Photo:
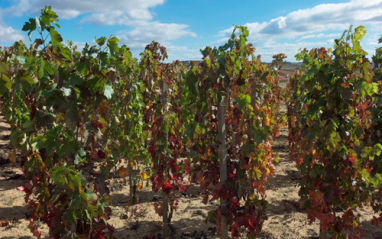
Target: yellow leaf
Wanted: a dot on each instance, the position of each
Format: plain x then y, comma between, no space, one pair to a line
251,157
272,170
267,121
144,176
276,159
12,156
133,163
139,186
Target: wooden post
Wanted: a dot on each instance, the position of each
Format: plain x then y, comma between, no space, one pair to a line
253,94
133,192
223,162
164,195
323,234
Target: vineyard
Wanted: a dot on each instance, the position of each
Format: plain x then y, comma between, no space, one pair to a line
111,146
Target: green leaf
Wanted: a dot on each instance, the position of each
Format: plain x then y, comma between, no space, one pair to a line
90,50
83,67
333,141
371,88
205,51
21,59
3,67
360,31
66,91
48,68
101,41
38,24
377,149
193,154
81,153
244,101
108,92
65,52
91,195
47,18
29,79
5,85
27,124
30,27
76,80
112,46
56,37
243,30
208,62
41,70
75,180
69,216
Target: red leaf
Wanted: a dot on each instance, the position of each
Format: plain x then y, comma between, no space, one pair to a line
352,158
101,154
235,203
152,149
34,229
167,188
326,221
162,49
23,72
187,168
174,166
317,198
27,188
235,230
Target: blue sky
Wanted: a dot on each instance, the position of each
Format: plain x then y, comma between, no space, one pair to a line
185,26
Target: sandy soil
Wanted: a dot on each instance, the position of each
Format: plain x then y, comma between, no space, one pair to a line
286,218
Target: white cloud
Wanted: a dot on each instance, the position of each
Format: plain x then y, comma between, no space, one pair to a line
135,14
104,9
8,34
182,53
18,9
325,17
146,32
313,24
117,17
321,35
302,28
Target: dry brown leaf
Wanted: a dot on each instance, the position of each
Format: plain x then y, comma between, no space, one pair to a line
139,186
123,172
4,223
12,156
